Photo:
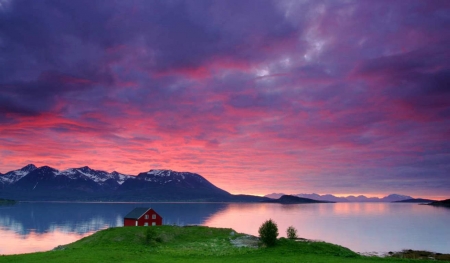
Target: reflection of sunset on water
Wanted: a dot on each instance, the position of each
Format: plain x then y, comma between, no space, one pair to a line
359,208
246,218
13,243
362,227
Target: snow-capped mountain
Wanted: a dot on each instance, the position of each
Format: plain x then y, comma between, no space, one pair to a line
85,172
169,176
97,176
14,176
172,185
86,184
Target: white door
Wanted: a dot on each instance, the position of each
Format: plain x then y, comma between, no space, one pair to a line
136,222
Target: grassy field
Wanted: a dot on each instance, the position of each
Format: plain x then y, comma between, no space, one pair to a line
189,244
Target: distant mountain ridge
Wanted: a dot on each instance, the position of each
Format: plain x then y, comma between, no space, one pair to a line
85,184
416,200
350,198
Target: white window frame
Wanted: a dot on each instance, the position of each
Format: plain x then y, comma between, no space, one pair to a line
153,216
146,216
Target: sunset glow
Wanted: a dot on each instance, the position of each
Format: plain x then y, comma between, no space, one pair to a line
35,242
259,96
367,223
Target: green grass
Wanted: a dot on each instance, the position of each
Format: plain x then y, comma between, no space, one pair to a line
189,244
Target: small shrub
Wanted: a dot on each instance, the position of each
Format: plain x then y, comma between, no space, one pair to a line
150,235
268,233
291,232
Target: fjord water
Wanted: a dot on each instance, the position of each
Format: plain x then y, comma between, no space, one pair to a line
363,227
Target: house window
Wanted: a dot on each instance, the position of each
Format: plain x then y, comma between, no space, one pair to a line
146,224
153,216
153,223
146,216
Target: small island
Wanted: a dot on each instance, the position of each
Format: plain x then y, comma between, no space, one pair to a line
292,199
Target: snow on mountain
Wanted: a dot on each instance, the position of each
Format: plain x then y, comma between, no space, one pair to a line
97,176
14,176
167,176
85,172
84,183
94,175
160,172
100,177
121,178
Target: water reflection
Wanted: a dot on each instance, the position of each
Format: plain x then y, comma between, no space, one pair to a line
81,218
362,227
39,226
13,243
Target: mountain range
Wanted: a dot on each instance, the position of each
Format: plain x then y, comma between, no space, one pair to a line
85,184
350,198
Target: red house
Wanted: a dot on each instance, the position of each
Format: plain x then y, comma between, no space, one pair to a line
142,216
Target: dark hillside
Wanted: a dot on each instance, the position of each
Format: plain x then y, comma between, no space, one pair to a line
415,200
445,203
291,199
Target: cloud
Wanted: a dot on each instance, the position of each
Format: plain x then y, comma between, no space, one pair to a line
300,96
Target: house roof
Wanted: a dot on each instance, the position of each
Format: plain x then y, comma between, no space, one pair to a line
137,212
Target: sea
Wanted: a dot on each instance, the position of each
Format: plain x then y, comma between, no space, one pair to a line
368,228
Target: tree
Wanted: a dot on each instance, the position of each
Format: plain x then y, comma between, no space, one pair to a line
291,232
268,233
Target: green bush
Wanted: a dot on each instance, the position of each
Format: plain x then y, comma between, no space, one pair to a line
150,235
291,232
268,233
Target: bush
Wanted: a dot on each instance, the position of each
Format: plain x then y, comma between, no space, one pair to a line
150,235
268,233
291,232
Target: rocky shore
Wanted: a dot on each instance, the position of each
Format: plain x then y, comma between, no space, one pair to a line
418,254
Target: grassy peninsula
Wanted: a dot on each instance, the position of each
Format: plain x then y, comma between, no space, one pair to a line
190,244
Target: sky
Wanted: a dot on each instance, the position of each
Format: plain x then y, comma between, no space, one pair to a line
341,97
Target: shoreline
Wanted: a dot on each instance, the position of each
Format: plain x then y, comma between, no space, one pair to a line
367,240
192,243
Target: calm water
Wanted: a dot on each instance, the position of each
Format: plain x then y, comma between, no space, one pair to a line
362,227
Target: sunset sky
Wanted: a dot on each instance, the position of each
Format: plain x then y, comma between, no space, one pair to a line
341,97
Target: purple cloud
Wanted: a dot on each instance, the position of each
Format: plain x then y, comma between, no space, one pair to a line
329,96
